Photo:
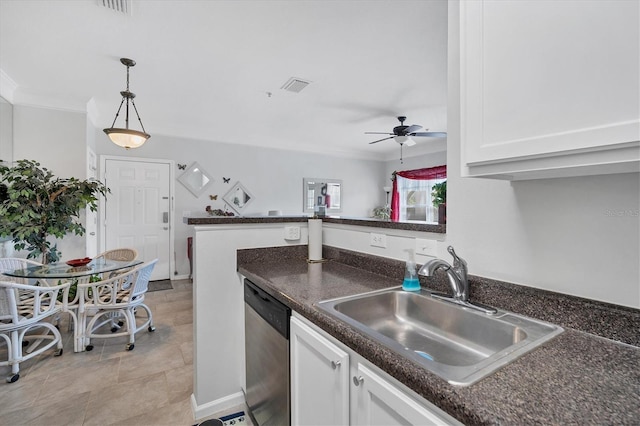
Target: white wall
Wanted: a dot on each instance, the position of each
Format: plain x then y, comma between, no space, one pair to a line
52,137
419,162
57,140
219,310
273,177
6,131
579,236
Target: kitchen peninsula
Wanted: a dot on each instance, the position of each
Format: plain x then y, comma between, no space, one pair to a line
218,292
374,223
576,377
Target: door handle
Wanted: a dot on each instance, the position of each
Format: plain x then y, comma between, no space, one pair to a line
165,217
92,233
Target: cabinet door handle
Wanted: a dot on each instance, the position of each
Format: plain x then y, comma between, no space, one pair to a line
335,364
358,380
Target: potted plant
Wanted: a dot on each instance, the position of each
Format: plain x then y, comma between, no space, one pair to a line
38,205
383,213
439,196
4,194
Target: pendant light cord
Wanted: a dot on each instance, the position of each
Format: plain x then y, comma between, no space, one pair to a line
126,95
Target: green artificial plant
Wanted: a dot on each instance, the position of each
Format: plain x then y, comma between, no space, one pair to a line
439,193
38,205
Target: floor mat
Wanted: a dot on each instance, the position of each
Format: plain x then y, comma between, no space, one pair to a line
160,285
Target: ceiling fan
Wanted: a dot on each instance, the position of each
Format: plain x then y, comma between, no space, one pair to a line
405,134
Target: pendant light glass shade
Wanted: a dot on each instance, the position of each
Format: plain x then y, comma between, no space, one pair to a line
127,138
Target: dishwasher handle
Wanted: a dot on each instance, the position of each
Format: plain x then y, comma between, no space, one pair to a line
275,313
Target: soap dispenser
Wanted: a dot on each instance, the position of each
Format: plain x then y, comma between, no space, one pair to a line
411,282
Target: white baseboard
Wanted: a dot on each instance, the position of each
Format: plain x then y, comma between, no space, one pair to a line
212,407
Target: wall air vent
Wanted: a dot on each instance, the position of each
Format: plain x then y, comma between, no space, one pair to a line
295,85
120,6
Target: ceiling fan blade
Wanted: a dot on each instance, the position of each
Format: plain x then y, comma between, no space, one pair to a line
380,140
410,142
430,134
378,133
413,128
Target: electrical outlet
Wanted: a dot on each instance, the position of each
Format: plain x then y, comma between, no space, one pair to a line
378,240
291,233
426,247
186,213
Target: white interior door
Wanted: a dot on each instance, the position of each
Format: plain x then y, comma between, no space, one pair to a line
138,210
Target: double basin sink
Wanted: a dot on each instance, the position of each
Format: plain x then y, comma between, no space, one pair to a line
457,343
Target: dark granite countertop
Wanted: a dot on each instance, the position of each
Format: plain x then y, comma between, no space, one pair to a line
375,223
576,378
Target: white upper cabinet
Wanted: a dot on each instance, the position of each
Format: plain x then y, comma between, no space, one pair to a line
549,88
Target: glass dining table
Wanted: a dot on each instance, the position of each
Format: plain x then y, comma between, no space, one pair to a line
60,270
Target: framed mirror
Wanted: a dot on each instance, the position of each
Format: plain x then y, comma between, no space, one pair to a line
195,179
238,197
322,192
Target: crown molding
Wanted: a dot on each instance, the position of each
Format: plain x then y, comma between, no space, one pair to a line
7,86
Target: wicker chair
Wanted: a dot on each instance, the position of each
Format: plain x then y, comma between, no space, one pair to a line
25,308
13,263
121,296
122,254
119,254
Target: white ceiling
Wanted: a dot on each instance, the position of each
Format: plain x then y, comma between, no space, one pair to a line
205,68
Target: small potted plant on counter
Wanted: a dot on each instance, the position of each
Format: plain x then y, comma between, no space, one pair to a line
439,195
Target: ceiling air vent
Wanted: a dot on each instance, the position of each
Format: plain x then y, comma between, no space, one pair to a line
121,6
295,85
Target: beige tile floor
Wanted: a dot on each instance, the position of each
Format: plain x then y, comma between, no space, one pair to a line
150,385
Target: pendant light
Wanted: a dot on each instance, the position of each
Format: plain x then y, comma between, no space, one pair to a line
127,138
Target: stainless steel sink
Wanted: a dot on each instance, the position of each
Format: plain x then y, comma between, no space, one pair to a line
459,344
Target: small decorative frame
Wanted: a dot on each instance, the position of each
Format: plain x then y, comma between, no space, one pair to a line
195,179
238,197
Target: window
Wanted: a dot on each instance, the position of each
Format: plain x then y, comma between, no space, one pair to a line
412,200
416,202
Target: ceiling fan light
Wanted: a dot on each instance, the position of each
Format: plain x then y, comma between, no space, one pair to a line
127,138
401,139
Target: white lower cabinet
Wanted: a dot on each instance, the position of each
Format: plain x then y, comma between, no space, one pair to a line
333,385
319,379
375,401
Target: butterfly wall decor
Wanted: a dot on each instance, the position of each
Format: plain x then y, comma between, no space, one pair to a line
213,197
182,166
226,180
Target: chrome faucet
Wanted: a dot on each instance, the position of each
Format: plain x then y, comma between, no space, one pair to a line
458,280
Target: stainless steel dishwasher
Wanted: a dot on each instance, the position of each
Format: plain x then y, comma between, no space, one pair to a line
267,357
